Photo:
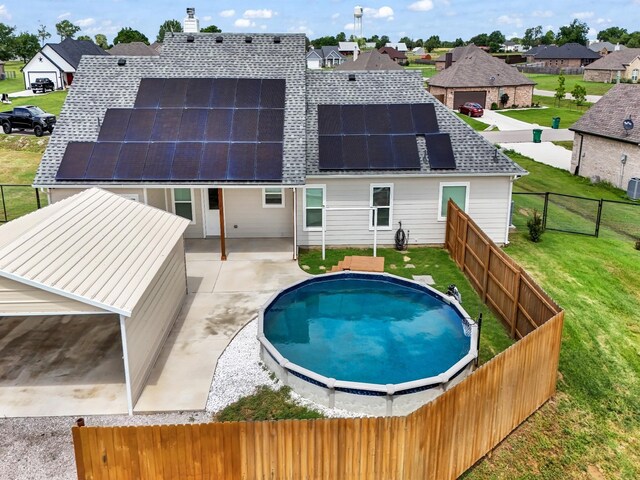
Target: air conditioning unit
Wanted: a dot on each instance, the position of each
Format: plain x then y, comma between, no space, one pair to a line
633,191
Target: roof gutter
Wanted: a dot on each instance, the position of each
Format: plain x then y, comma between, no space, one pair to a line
609,137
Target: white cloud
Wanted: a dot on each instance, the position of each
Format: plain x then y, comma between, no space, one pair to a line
335,16
349,27
207,18
382,12
583,15
543,13
600,21
302,28
263,13
421,6
227,13
244,23
64,15
510,20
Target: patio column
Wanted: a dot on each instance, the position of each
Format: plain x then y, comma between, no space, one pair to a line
223,248
295,223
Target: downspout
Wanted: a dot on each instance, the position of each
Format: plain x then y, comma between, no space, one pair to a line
577,171
295,223
125,358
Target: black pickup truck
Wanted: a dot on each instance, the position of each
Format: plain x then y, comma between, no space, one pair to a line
28,117
42,85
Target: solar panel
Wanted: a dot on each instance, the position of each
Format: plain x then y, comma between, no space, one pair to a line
329,120
401,119
242,161
272,93
198,93
114,125
424,118
330,152
213,165
167,125
245,126
270,125
380,152
377,119
74,161
269,161
218,127
355,155
248,93
140,125
192,125
405,152
174,92
186,161
224,93
158,163
102,164
440,151
149,93
131,161
353,119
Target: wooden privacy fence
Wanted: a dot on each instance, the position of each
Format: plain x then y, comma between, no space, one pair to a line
439,441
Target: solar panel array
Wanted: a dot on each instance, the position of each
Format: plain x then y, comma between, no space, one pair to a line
187,129
380,137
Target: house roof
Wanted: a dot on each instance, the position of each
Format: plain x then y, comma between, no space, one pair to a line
72,50
393,53
400,46
479,69
605,118
133,48
95,247
473,154
617,60
566,52
610,47
348,46
330,50
532,52
314,52
84,110
458,52
371,60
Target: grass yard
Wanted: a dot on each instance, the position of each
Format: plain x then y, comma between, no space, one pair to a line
550,82
564,144
544,116
11,85
428,71
475,124
49,102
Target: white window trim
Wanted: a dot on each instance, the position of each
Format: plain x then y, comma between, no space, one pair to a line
304,207
193,208
272,205
371,187
453,184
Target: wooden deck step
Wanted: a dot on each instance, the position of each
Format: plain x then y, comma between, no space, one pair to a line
358,263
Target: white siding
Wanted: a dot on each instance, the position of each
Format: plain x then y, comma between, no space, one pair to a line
58,194
194,230
243,207
415,204
153,317
40,69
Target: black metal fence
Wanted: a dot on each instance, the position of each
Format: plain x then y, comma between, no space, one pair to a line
17,200
579,215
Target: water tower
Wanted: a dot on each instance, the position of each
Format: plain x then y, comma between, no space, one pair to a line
357,21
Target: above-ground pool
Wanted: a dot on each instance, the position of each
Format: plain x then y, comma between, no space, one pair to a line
370,343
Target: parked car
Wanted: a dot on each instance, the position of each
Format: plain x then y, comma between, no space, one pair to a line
28,117
472,109
42,85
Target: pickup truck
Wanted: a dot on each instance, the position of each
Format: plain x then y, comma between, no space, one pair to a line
28,117
42,85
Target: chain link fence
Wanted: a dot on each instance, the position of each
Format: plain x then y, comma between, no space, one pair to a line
18,200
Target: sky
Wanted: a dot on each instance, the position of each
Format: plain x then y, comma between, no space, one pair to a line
449,19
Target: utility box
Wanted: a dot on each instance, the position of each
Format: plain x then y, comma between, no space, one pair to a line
633,191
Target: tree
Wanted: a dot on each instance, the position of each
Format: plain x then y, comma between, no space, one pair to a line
128,35
633,40
6,42
560,90
341,37
168,26
25,46
101,41
548,38
458,42
432,43
579,94
43,34
419,43
480,40
85,37
66,29
575,32
408,42
210,29
326,41
532,37
613,35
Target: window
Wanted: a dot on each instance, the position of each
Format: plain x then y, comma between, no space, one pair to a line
634,75
183,203
313,203
382,197
458,192
272,197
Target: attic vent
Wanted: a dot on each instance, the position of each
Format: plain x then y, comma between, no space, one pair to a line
122,62
352,77
248,39
218,39
190,38
277,39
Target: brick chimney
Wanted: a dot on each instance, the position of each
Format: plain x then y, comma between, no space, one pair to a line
448,59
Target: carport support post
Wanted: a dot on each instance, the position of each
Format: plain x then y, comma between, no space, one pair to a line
125,356
223,248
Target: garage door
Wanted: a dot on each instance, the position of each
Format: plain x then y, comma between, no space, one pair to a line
463,97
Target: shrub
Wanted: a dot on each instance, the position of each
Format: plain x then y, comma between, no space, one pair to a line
535,227
494,106
637,244
504,98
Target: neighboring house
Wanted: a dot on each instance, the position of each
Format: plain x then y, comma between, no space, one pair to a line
605,48
368,61
510,46
274,150
157,46
314,58
399,46
481,78
347,48
623,64
59,61
418,51
139,49
370,45
603,147
324,57
456,54
569,55
399,57
532,52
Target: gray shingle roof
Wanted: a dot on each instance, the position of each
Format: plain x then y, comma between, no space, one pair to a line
610,47
606,116
372,60
479,69
393,53
566,52
473,154
72,50
615,60
134,48
100,84
459,52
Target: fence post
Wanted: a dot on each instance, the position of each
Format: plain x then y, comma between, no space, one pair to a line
485,280
4,204
516,299
544,211
599,217
38,199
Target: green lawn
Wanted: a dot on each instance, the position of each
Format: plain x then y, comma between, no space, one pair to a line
544,116
10,85
475,124
428,71
49,102
564,144
550,82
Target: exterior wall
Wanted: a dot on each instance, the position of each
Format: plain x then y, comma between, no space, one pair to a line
601,157
243,208
156,197
415,204
39,69
153,317
58,194
313,63
521,95
606,76
635,65
564,62
196,228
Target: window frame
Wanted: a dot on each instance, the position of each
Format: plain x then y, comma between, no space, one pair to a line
273,205
192,202
304,206
467,186
635,73
378,185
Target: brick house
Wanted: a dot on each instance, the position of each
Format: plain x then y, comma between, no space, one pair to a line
625,63
481,78
569,55
606,143
456,54
395,55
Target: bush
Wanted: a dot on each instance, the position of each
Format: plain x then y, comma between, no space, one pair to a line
637,244
494,106
535,227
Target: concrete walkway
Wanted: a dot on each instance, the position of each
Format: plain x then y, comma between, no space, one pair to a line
568,96
526,136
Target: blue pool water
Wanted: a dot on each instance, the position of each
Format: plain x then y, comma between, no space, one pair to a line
366,330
